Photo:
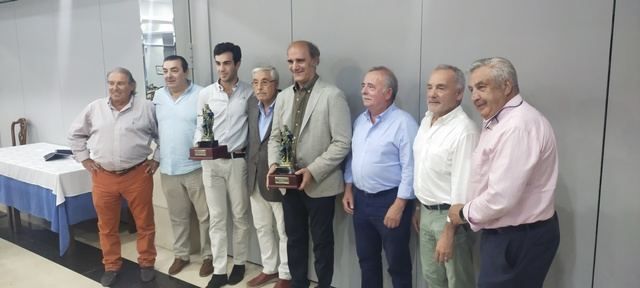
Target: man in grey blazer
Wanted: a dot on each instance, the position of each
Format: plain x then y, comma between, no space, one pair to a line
266,204
319,117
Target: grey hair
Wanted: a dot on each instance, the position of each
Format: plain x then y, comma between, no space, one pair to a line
501,69
460,81
272,71
390,80
127,73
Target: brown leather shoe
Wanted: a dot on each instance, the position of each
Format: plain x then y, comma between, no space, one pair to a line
207,268
283,283
177,266
261,279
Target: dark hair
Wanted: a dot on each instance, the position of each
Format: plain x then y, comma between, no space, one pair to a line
225,47
185,65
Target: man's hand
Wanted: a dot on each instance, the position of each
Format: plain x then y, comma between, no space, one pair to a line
415,220
272,169
91,166
454,214
444,247
394,214
347,198
152,166
306,177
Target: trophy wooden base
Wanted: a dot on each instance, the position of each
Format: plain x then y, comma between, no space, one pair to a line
286,181
208,150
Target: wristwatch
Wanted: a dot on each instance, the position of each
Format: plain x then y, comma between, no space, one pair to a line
461,215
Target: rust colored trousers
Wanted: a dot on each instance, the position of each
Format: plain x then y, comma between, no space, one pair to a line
136,187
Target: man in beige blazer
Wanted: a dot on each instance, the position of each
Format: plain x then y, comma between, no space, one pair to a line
318,115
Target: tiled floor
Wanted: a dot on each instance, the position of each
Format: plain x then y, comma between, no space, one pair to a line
29,258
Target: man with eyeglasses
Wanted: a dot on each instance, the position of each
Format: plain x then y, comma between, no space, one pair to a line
514,170
225,179
266,204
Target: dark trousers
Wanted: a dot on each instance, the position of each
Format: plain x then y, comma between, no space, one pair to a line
301,215
372,236
518,256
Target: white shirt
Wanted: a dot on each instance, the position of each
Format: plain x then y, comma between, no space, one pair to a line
230,123
442,152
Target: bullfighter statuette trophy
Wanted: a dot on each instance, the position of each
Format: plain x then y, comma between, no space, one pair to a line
284,176
207,148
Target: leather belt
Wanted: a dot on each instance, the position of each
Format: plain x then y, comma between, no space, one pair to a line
234,155
437,206
125,171
521,227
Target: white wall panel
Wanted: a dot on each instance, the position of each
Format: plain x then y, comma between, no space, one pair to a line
37,34
618,253
81,74
262,29
122,38
356,35
11,100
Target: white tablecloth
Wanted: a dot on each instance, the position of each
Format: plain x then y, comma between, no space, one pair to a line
64,177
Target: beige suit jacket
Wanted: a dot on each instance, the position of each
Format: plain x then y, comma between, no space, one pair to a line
324,140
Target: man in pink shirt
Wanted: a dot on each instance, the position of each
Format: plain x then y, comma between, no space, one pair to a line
513,178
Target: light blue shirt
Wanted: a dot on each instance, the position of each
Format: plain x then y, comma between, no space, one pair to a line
264,119
382,153
177,125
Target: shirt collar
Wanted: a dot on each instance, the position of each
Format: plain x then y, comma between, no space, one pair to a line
261,106
446,118
515,102
382,115
221,88
185,92
308,87
130,104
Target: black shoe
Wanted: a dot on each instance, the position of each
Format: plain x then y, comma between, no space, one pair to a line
217,281
237,274
147,274
109,278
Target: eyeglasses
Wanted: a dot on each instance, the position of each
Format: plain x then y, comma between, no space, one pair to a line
262,83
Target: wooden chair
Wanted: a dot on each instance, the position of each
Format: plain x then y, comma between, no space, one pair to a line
22,133
14,214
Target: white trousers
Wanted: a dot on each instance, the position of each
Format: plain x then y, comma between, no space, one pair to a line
267,217
225,185
181,191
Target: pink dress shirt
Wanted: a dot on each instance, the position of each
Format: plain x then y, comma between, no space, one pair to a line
514,169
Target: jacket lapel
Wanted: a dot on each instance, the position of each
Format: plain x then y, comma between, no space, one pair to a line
313,101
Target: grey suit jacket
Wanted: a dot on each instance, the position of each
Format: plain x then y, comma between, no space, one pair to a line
257,166
324,140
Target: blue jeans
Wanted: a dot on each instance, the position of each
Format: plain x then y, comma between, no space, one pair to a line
372,236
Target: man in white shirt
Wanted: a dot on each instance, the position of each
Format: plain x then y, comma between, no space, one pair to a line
442,150
225,179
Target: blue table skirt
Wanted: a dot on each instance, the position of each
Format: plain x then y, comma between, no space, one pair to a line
41,202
